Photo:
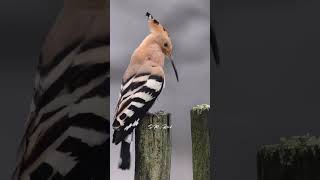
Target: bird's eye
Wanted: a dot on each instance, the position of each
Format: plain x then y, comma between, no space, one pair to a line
165,44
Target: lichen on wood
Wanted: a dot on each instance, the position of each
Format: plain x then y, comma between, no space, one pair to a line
200,133
153,147
294,158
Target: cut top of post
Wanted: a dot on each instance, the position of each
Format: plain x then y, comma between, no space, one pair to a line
199,109
158,120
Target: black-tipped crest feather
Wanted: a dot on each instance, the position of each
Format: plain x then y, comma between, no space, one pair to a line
149,15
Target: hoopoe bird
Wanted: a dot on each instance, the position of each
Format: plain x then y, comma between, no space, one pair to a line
142,83
67,133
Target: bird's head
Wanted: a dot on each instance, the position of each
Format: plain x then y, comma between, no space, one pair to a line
160,35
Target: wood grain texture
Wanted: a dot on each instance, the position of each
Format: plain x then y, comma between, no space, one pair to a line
153,148
200,142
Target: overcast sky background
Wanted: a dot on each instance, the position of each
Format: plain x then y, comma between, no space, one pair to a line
188,23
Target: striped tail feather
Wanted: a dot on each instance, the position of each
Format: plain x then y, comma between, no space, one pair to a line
125,156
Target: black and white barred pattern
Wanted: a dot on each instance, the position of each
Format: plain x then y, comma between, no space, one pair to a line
67,135
137,95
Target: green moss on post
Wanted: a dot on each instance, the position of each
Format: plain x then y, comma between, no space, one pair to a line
295,158
200,142
153,148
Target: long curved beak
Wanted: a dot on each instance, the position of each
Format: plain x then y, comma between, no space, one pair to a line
174,67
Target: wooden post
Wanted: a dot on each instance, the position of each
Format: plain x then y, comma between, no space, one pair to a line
200,142
153,147
295,158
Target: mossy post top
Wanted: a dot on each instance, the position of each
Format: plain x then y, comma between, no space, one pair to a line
201,108
290,148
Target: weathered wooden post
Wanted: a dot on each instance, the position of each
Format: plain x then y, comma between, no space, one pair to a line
295,158
153,147
200,142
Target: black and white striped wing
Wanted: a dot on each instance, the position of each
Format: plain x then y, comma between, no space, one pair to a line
67,134
137,96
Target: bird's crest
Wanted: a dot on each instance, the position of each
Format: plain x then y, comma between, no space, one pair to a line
155,26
